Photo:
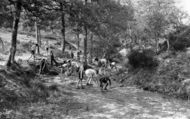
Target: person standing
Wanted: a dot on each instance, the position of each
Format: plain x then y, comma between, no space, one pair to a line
33,51
52,58
72,55
78,56
47,50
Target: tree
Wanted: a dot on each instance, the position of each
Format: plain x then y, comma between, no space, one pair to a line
38,36
105,20
18,7
63,25
32,7
100,19
61,8
6,15
111,21
160,16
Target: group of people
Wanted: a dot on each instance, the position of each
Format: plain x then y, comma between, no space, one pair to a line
96,73
107,63
43,62
49,52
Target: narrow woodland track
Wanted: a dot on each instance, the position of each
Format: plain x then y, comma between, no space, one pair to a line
122,103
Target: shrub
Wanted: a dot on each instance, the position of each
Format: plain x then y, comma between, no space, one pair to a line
142,59
18,87
166,78
179,40
181,45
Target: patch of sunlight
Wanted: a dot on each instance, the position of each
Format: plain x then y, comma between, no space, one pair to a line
2,63
182,109
119,111
153,102
24,56
136,107
110,106
128,90
176,116
91,115
57,79
115,109
88,97
168,112
167,106
60,81
146,111
145,115
101,115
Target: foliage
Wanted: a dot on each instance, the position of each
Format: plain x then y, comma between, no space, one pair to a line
181,45
6,17
161,18
142,59
18,86
166,78
179,39
106,21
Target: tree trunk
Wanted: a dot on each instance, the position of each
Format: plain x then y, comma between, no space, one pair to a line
91,48
168,44
85,41
85,45
78,46
63,27
157,44
78,42
2,44
157,36
52,28
38,37
18,8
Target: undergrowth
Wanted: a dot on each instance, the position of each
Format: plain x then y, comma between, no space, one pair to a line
166,78
20,86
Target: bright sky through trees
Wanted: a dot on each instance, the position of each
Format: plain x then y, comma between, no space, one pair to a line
184,5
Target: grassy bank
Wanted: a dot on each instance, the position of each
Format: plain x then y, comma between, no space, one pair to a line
166,78
20,86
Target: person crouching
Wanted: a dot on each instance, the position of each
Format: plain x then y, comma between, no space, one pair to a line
104,82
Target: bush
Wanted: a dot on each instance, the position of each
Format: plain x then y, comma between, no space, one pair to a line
179,40
166,78
181,45
18,87
142,59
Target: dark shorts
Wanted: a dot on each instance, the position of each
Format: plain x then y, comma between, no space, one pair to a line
104,79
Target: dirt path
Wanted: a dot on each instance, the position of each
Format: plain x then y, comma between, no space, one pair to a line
123,103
